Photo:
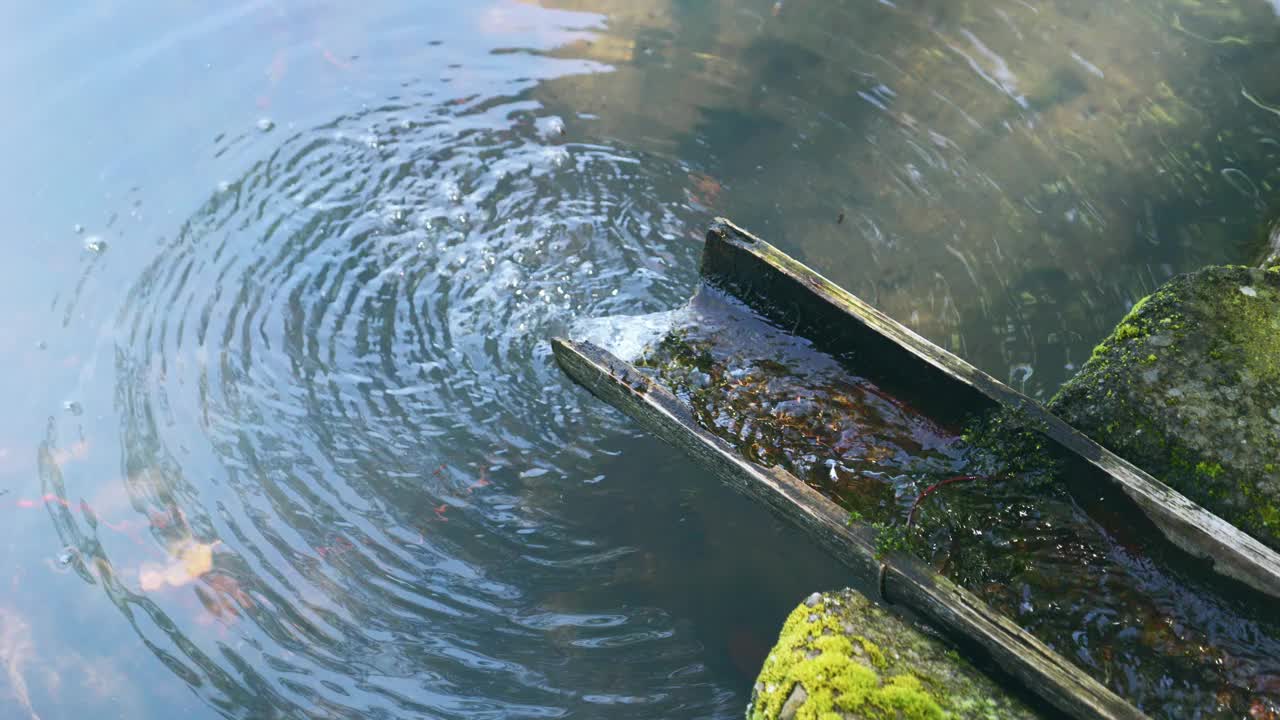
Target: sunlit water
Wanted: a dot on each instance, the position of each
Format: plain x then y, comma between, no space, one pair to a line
1078,571
282,436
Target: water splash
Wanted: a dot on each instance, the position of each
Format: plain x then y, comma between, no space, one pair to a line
309,375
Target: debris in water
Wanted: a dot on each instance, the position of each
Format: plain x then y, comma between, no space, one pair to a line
15,648
191,560
95,244
549,128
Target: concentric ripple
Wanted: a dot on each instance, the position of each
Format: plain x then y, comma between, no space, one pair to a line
337,378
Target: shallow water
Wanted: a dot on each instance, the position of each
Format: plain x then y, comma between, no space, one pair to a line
984,507
282,434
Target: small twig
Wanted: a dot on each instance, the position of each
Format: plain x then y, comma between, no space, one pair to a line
911,515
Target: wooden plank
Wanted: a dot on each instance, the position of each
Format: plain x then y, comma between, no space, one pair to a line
898,579
621,385
947,389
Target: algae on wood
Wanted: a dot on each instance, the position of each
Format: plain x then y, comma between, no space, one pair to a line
900,579
1014,535
839,656
1188,388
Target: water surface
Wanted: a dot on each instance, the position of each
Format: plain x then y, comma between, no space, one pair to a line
981,500
282,435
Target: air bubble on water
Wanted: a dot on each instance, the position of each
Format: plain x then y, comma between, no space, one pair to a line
265,124
77,228
73,407
1020,373
453,192
224,185
549,127
66,556
95,244
42,345
556,156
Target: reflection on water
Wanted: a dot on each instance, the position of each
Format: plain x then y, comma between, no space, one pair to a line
1004,177
357,327
283,437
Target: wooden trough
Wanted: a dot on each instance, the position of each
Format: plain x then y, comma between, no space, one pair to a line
946,388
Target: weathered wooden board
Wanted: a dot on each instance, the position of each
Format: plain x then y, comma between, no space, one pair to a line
898,579
948,389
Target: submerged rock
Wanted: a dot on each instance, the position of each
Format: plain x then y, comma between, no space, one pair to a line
1188,388
841,657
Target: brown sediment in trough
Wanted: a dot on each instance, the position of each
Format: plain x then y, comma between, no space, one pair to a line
913,370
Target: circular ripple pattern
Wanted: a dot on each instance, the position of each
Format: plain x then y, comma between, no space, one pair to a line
338,378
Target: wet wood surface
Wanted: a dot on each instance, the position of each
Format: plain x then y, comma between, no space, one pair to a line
949,389
946,389
897,579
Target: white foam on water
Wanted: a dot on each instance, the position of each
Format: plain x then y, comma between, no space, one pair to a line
628,336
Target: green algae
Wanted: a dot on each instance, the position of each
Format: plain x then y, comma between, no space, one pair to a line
1188,388
788,406
839,656
1013,535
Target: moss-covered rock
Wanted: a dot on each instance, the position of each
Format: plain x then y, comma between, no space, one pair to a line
1188,388
840,657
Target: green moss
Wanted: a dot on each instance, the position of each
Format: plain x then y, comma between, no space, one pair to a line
891,538
1204,423
1256,331
1211,470
902,696
1262,511
835,679
1127,331
1009,442
874,652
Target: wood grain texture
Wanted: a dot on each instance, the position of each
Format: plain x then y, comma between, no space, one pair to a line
890,354
903,580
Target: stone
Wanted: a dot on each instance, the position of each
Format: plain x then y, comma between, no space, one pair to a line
1187,388
842,657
